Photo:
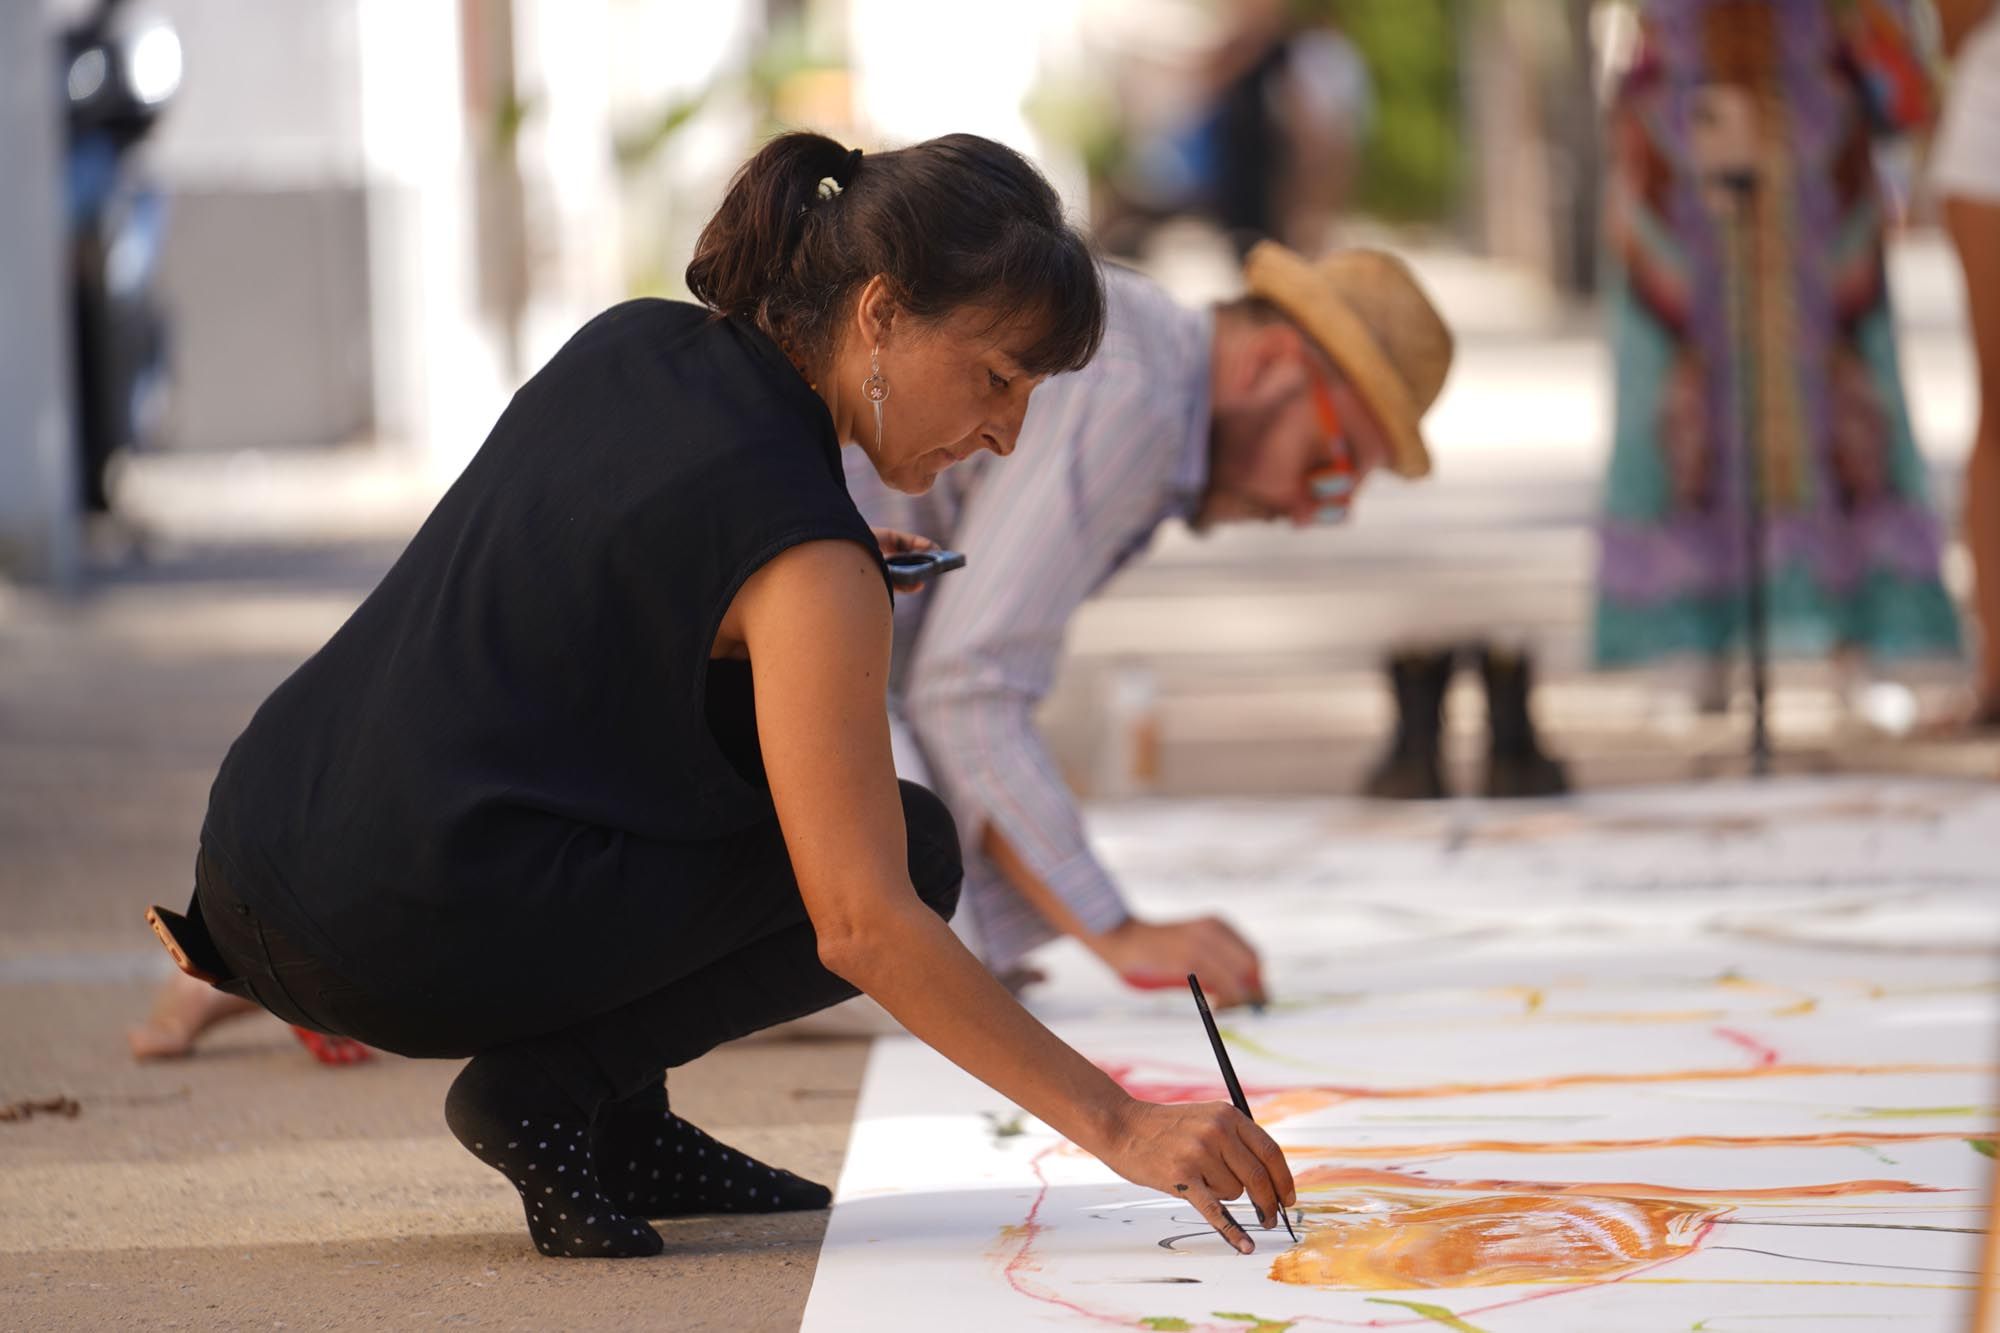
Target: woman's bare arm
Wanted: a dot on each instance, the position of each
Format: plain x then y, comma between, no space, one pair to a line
817,626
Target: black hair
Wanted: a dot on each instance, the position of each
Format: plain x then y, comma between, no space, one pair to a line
951,222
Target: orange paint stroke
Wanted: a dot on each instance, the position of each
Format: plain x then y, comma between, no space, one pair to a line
1334,1177
1838,1139
1789,1282
1536,1013
1493,1241
1277,1103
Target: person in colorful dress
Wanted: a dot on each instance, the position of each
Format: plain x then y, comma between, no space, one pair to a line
1786,93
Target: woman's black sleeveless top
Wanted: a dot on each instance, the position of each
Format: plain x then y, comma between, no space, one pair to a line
523,703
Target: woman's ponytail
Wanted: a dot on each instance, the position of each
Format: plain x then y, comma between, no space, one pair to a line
746,248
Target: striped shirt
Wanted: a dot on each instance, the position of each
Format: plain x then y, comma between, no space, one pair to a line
1105,456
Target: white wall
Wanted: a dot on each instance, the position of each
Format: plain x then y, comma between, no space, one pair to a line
270,98
267,247
321,247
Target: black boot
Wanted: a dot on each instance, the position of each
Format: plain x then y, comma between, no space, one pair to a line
1515,763
1413,769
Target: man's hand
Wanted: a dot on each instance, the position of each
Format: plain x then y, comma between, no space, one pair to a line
1146,954
1150,955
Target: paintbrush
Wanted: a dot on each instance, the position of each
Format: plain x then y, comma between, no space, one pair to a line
1229,1077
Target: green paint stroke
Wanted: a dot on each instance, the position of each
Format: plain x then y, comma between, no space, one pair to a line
1982,1146
1911,1112
1257,1323
1435,1313
1167,1323
1006,1127
1257,1048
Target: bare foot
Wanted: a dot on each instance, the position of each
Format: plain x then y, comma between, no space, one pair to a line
183,1009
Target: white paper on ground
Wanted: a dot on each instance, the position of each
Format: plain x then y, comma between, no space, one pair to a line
1703,1058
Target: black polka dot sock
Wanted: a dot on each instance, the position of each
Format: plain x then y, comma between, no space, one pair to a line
509,1116
656,1164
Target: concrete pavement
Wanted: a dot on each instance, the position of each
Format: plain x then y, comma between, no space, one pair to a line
249,1187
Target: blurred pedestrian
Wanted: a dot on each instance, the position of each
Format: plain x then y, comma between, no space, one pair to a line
530,805
1788,92
1274,407
1966,170
1262,132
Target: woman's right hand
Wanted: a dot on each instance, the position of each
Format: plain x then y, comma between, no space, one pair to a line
1206,1153
816,623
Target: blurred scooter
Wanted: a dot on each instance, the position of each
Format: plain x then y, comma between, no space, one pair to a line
119,72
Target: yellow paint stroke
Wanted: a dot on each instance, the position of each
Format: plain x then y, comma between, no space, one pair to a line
1800,1001
1333,1177
1591,1016
1837,1139
1790,1282
1298,1101
1493,1241
1643,1016
1008,1241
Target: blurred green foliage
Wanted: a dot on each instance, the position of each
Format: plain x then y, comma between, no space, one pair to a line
1413,163
637,146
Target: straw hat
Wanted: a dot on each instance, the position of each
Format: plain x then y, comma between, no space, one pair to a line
1365,309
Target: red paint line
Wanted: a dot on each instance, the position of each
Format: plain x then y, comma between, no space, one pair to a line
1021,1262
1766,1056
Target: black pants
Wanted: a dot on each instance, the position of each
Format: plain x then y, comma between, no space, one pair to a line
756,965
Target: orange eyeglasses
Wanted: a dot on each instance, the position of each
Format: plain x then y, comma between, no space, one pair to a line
1333,484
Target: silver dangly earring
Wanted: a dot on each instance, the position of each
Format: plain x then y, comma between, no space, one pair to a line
876,389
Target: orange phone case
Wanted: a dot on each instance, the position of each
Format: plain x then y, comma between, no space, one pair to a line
158,919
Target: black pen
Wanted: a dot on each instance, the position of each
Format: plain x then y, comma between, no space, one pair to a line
1229,1078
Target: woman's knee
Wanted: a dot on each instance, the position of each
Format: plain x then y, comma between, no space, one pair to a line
937,867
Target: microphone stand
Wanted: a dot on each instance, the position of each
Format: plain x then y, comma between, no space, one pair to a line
1740,186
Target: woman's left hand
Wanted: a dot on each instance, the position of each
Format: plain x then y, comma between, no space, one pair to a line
893,542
